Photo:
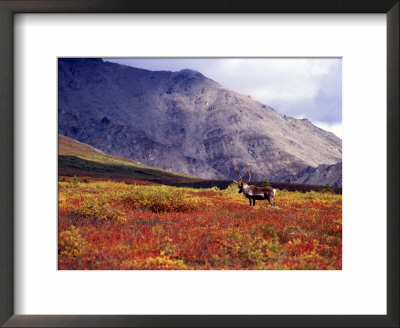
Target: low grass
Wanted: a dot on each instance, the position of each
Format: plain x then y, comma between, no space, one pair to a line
114,225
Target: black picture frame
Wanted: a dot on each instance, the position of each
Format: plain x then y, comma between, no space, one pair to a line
10,7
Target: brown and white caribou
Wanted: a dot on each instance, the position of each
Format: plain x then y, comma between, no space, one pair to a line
254,193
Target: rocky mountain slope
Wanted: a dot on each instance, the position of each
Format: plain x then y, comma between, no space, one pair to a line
320,175
184,122
76,158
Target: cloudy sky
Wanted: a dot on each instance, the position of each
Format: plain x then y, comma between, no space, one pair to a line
301,88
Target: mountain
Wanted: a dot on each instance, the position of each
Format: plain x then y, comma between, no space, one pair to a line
76,158
320,175
184,122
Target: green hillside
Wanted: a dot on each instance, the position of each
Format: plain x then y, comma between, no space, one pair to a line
76,158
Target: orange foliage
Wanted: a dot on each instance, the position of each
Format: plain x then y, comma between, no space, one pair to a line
113,225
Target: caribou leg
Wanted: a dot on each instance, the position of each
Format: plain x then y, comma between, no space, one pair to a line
271,201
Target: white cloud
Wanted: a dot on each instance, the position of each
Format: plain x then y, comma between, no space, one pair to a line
293,86
336,129
286,83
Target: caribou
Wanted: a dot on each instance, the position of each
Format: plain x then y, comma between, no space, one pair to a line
254,193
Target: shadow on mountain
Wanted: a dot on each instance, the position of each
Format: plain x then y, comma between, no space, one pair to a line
73,165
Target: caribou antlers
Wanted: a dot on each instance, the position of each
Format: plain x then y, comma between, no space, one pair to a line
249,172
240,176
238,173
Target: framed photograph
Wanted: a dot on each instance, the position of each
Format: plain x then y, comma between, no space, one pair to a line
133,195
175,164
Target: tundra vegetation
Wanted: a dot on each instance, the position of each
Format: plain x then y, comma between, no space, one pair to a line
107,225
116,214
